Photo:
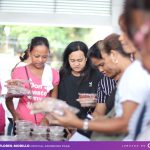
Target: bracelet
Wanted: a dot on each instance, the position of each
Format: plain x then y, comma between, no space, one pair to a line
85,124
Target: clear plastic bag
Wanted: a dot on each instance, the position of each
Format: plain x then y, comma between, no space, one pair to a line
48,105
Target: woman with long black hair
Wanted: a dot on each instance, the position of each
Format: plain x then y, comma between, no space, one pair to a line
77,76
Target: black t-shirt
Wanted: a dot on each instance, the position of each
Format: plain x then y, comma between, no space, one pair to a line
70,86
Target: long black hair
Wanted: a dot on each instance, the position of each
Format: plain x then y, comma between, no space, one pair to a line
130,5
72,47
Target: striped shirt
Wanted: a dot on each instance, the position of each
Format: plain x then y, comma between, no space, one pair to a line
105,87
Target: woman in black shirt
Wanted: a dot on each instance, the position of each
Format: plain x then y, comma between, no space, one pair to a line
77,76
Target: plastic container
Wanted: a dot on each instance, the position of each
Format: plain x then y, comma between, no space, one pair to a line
23,130
87,99
7,138
40,133
56,136
56,133
16,87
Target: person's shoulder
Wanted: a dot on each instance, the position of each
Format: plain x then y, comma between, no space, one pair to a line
48,68
19,69
135,76
100,75
21,64
135,69
55,71
108,79
136,65
19,72
66,79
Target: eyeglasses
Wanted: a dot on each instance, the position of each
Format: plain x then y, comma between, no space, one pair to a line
140,35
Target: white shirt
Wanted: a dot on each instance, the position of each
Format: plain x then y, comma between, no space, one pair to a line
134,86
145,124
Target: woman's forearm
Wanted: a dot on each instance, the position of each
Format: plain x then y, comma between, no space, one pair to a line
114,125
10,106
54,92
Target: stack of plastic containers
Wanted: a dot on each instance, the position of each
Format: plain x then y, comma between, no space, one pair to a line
40,133
56,133
23,130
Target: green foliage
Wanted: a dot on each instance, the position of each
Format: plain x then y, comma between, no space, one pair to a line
59,37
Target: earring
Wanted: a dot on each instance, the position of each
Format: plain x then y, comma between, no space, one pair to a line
112,57
116,61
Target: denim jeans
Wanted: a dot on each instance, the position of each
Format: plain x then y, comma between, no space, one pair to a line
10,127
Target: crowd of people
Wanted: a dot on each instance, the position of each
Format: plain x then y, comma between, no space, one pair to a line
116,70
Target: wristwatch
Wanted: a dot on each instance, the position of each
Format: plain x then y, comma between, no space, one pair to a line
85,124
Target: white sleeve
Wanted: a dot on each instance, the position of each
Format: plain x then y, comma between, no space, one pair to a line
134,85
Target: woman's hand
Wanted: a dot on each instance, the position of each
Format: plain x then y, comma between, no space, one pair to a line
14,82
9,95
